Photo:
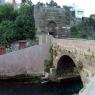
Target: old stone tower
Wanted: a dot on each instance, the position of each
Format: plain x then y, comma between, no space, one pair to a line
53,20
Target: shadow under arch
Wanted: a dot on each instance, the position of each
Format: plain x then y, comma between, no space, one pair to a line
66,66
68,71
52,28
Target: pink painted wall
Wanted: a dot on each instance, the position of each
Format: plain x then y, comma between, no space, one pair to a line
29,60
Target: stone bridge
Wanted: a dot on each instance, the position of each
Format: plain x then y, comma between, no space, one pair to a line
76,55
71,57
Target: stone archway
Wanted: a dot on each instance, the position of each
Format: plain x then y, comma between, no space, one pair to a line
75,65
66,67
67,72
52,28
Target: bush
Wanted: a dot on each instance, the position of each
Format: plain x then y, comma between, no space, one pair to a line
16,24
7,33
76,32
25,27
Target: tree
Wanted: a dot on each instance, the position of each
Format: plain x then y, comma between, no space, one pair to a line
7,33
25,27
25,10
76,32
67,8
25,21
92,16
40,4
16,24
7,12
52,4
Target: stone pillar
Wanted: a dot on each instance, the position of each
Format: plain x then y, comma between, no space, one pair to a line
44,39
2,50
22,44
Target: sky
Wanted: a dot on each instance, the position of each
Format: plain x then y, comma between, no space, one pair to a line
88,6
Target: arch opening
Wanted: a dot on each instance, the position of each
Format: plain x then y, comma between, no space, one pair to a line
67,71
66,67
52,28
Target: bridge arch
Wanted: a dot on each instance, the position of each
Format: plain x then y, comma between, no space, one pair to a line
67,69
66,66
68,60
65,53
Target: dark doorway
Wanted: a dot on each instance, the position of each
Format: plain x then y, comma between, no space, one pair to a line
66,67
52,28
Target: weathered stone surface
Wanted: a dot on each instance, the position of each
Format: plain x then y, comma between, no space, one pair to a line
82,52
31,60
53,19
25,61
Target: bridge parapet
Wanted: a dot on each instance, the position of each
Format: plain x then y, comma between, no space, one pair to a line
88,45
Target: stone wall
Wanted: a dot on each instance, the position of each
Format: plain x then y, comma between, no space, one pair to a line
44,15
25,61
82,53
21,44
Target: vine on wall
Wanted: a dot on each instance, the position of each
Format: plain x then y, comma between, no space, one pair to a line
48,63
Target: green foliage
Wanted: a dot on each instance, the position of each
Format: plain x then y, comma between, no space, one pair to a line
25,27
85,29
49,63
16,24
67,8
88,24
25,10
52,4
25,22
7,12
7,33
76,32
